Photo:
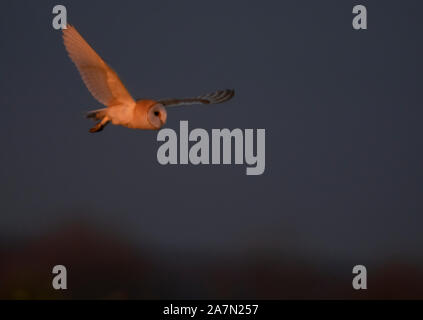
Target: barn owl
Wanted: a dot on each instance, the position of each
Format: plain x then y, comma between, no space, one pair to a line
105,85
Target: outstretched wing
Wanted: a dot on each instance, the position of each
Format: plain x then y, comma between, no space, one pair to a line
215,97
103,83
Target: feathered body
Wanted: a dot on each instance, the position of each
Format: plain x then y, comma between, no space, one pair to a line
105,85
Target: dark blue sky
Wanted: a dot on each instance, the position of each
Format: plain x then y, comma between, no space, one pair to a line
342,111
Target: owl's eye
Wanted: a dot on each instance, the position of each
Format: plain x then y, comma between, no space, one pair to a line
156,113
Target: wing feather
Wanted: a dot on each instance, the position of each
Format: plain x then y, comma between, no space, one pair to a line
101,80
210,98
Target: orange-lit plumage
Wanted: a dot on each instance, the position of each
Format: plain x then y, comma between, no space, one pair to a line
105,85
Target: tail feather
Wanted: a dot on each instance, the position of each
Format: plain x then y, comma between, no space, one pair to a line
98,114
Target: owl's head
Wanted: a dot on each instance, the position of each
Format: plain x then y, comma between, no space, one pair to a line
157,115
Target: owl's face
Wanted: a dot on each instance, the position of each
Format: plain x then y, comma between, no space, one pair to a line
157,115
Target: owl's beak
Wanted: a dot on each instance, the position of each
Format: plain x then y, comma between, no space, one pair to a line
163,117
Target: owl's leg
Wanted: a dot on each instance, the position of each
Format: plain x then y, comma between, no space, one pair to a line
100,125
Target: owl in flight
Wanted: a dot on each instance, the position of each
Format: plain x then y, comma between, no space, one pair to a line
105,85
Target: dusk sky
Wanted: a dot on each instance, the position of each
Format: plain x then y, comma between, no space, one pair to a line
342,110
